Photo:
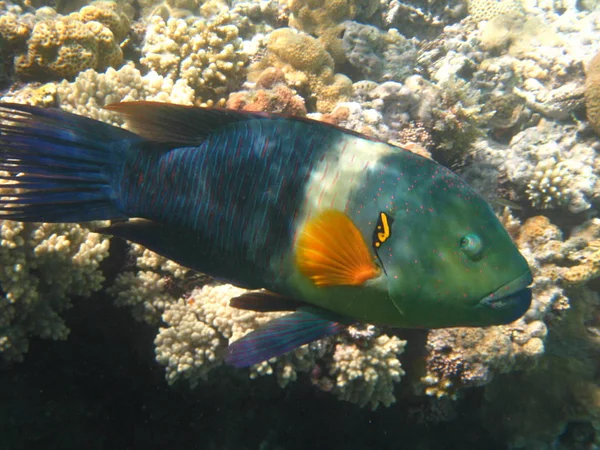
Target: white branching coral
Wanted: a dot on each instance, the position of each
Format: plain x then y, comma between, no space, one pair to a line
43,267
145,290
359,367
198,330
365,372
92,90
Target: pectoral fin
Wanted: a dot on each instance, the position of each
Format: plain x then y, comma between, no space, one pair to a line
331,251
284,334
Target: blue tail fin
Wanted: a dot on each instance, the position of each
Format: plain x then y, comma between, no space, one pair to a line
62,165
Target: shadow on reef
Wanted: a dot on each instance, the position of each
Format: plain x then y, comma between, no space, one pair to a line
102,389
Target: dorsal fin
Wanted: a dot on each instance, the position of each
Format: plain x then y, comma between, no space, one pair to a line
190,125
177,124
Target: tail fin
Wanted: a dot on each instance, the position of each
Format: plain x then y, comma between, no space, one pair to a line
56,166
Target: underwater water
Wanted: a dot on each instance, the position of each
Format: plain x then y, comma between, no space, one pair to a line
415,311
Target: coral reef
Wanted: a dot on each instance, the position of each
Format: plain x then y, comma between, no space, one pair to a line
376,55
324,20
307,66
360,366
549,166
91,90
271,94
50,46
533,408
44,267
204,53
508,78
420,18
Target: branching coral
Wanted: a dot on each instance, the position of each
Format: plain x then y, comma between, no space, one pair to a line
549,166
365,370
91,90
550,186
43,267
205,53
360,366
150,287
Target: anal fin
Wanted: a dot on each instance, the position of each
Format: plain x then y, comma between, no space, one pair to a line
284,334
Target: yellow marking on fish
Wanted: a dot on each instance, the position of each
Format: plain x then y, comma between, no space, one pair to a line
382,232
385,234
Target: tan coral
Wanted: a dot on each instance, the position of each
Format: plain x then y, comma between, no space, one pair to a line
316,16
365,372
488,9
63,47
306,65
592,92
33,94
13,31
109,15
90,91
206,53
324,20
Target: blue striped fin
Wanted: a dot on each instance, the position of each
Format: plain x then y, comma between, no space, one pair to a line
282,335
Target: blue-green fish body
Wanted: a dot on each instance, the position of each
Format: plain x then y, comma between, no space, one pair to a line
316,215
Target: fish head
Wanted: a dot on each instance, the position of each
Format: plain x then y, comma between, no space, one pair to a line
448,260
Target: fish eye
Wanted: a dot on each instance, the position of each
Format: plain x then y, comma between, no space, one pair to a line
471,245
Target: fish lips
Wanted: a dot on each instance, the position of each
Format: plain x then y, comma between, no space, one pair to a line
510,301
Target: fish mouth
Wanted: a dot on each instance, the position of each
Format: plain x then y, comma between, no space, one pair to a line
514,297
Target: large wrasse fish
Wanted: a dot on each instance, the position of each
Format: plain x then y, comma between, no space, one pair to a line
331,225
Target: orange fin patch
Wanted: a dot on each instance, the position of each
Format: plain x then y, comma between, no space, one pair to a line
331,251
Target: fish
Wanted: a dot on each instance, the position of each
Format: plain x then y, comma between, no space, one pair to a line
335,227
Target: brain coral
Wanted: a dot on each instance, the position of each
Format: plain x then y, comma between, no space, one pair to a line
306,65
